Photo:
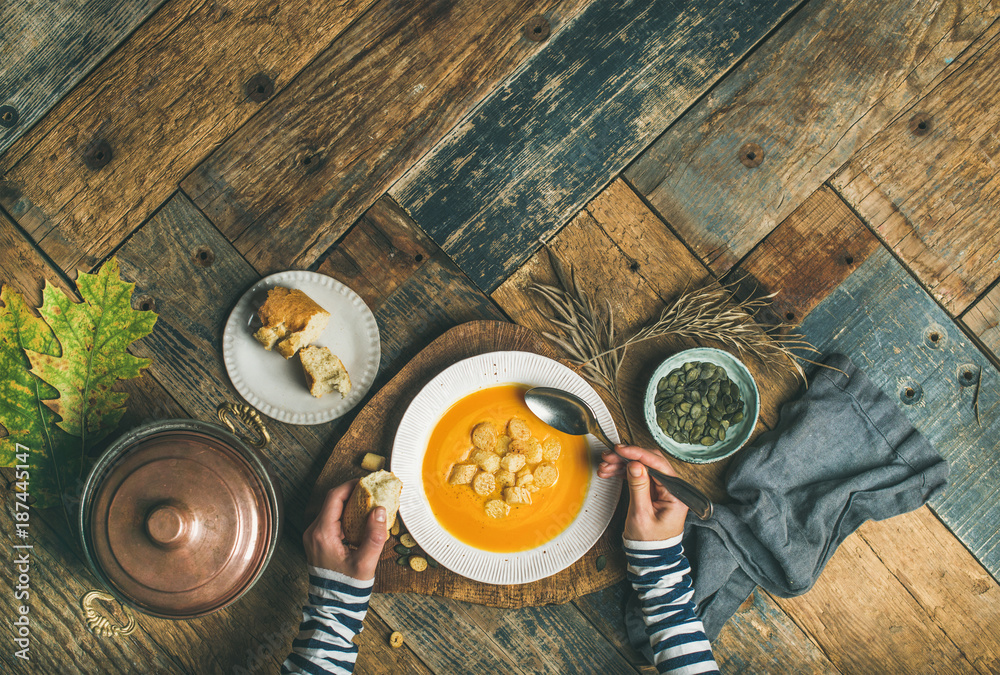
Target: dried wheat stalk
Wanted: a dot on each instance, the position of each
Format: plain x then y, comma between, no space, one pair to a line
709,313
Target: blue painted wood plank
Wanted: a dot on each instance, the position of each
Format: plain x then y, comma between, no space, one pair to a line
893,330
48,47
559,130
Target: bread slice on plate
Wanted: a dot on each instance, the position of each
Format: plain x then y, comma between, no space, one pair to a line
291,321
381,488
324,371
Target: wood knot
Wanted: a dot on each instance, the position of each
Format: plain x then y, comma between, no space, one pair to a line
97,154
751,155
8,116
259,88
537,29
202,256
920,124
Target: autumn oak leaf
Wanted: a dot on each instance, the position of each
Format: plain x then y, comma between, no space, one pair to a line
94,337
54,456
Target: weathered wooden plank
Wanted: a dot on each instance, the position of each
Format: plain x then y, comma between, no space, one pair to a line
379,253
554,639
868,625
23,267
896,333
783,646
806,257
176,89
983,320
541,147
442,636
48,47
59,641
928,183
945,580
815,92
606,610
309,171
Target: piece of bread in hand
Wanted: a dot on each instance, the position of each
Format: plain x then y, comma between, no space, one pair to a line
324,371
291,321
381,488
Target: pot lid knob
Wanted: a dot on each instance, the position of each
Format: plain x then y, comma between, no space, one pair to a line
169,525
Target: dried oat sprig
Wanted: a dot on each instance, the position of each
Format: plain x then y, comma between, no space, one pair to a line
711,313
588,336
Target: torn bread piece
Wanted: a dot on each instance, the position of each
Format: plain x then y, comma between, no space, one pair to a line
291,321
324,371
381,488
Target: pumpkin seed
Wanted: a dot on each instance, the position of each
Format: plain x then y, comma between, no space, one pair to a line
602,562
401,550
708,440
403,561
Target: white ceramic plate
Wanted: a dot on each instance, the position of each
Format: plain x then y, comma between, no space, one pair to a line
454,383
276,386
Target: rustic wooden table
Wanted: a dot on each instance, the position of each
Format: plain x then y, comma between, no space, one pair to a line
429,154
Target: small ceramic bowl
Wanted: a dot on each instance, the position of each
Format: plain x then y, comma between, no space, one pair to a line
738,433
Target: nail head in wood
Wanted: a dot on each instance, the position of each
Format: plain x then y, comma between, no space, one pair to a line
910,393
203,256
920,124
537,29
98,154
145,303
751,155
259,88
935,336
8,116
968,374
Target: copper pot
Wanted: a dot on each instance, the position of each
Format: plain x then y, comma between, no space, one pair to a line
179,518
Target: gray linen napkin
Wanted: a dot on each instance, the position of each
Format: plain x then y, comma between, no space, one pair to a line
842,453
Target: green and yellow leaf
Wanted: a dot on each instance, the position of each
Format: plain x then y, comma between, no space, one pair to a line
94,336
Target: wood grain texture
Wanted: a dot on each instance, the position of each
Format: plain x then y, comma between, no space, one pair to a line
441,635
885,323
23,267
171,94
783,647
48,47
374,429
552,640
807,256
842,613
542,146
827,81
322,152
931,193
379,253
983,319
945,580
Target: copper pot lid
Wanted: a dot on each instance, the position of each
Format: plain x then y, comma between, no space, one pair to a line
180,524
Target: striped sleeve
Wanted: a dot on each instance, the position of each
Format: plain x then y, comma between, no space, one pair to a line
661,576
331,618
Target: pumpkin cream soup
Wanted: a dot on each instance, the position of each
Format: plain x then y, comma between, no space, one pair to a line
500,479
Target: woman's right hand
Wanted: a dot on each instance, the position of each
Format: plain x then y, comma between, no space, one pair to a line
653,513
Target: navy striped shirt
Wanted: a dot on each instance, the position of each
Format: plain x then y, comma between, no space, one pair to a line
661,576
657,569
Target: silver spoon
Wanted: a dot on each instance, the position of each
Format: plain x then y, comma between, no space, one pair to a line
570,414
